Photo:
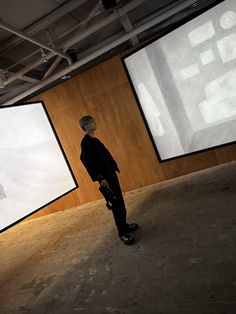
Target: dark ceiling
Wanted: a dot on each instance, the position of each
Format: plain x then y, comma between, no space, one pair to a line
43,42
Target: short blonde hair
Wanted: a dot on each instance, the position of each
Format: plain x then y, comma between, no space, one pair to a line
84,121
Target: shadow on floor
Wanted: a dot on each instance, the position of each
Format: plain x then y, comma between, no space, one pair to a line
183,260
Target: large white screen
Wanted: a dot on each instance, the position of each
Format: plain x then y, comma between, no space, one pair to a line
186,83
33,169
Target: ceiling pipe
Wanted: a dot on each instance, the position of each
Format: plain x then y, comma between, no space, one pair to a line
34,41
52,17
44,22
59,36
81,35
83,25
25,70
91,30
109,19
20,88
160,18
128,27
23,59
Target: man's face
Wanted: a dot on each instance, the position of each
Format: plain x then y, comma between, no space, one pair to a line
91,126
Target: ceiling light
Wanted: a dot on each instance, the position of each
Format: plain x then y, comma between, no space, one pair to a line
43,56
65,77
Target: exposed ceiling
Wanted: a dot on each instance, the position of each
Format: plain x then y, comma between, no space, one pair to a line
43,42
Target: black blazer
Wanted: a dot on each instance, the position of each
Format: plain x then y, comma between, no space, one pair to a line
97,159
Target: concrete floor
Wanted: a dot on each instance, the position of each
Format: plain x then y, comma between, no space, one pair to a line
184,260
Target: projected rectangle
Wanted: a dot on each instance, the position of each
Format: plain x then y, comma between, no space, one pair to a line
34,170
185,83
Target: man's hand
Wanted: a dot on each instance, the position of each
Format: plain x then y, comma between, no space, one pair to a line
104,183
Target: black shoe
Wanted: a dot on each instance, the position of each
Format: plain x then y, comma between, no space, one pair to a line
127,239
132,227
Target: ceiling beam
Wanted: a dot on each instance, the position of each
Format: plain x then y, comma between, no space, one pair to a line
126,23
4,75
43,23
15,88
29,79
162,16
19,63
34,41
83,25
53,40
81,35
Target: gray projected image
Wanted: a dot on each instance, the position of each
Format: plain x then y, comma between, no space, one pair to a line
186,83
33,168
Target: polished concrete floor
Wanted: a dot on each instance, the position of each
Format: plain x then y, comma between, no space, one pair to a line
183,262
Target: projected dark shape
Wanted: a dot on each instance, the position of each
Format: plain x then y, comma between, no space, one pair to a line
34,169
185,83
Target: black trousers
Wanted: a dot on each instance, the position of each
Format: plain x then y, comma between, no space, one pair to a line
118,206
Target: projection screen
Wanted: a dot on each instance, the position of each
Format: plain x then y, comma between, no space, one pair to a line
34,170
185,83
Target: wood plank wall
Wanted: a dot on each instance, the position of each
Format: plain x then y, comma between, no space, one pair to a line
104,92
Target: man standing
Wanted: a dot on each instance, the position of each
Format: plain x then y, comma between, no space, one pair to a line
102,167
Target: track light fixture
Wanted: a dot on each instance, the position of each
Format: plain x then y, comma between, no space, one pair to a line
43,56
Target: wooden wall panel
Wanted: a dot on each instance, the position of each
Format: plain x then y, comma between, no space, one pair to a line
191,163
104,93
226,154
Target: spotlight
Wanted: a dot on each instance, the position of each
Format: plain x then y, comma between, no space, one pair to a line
43,56
65,77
